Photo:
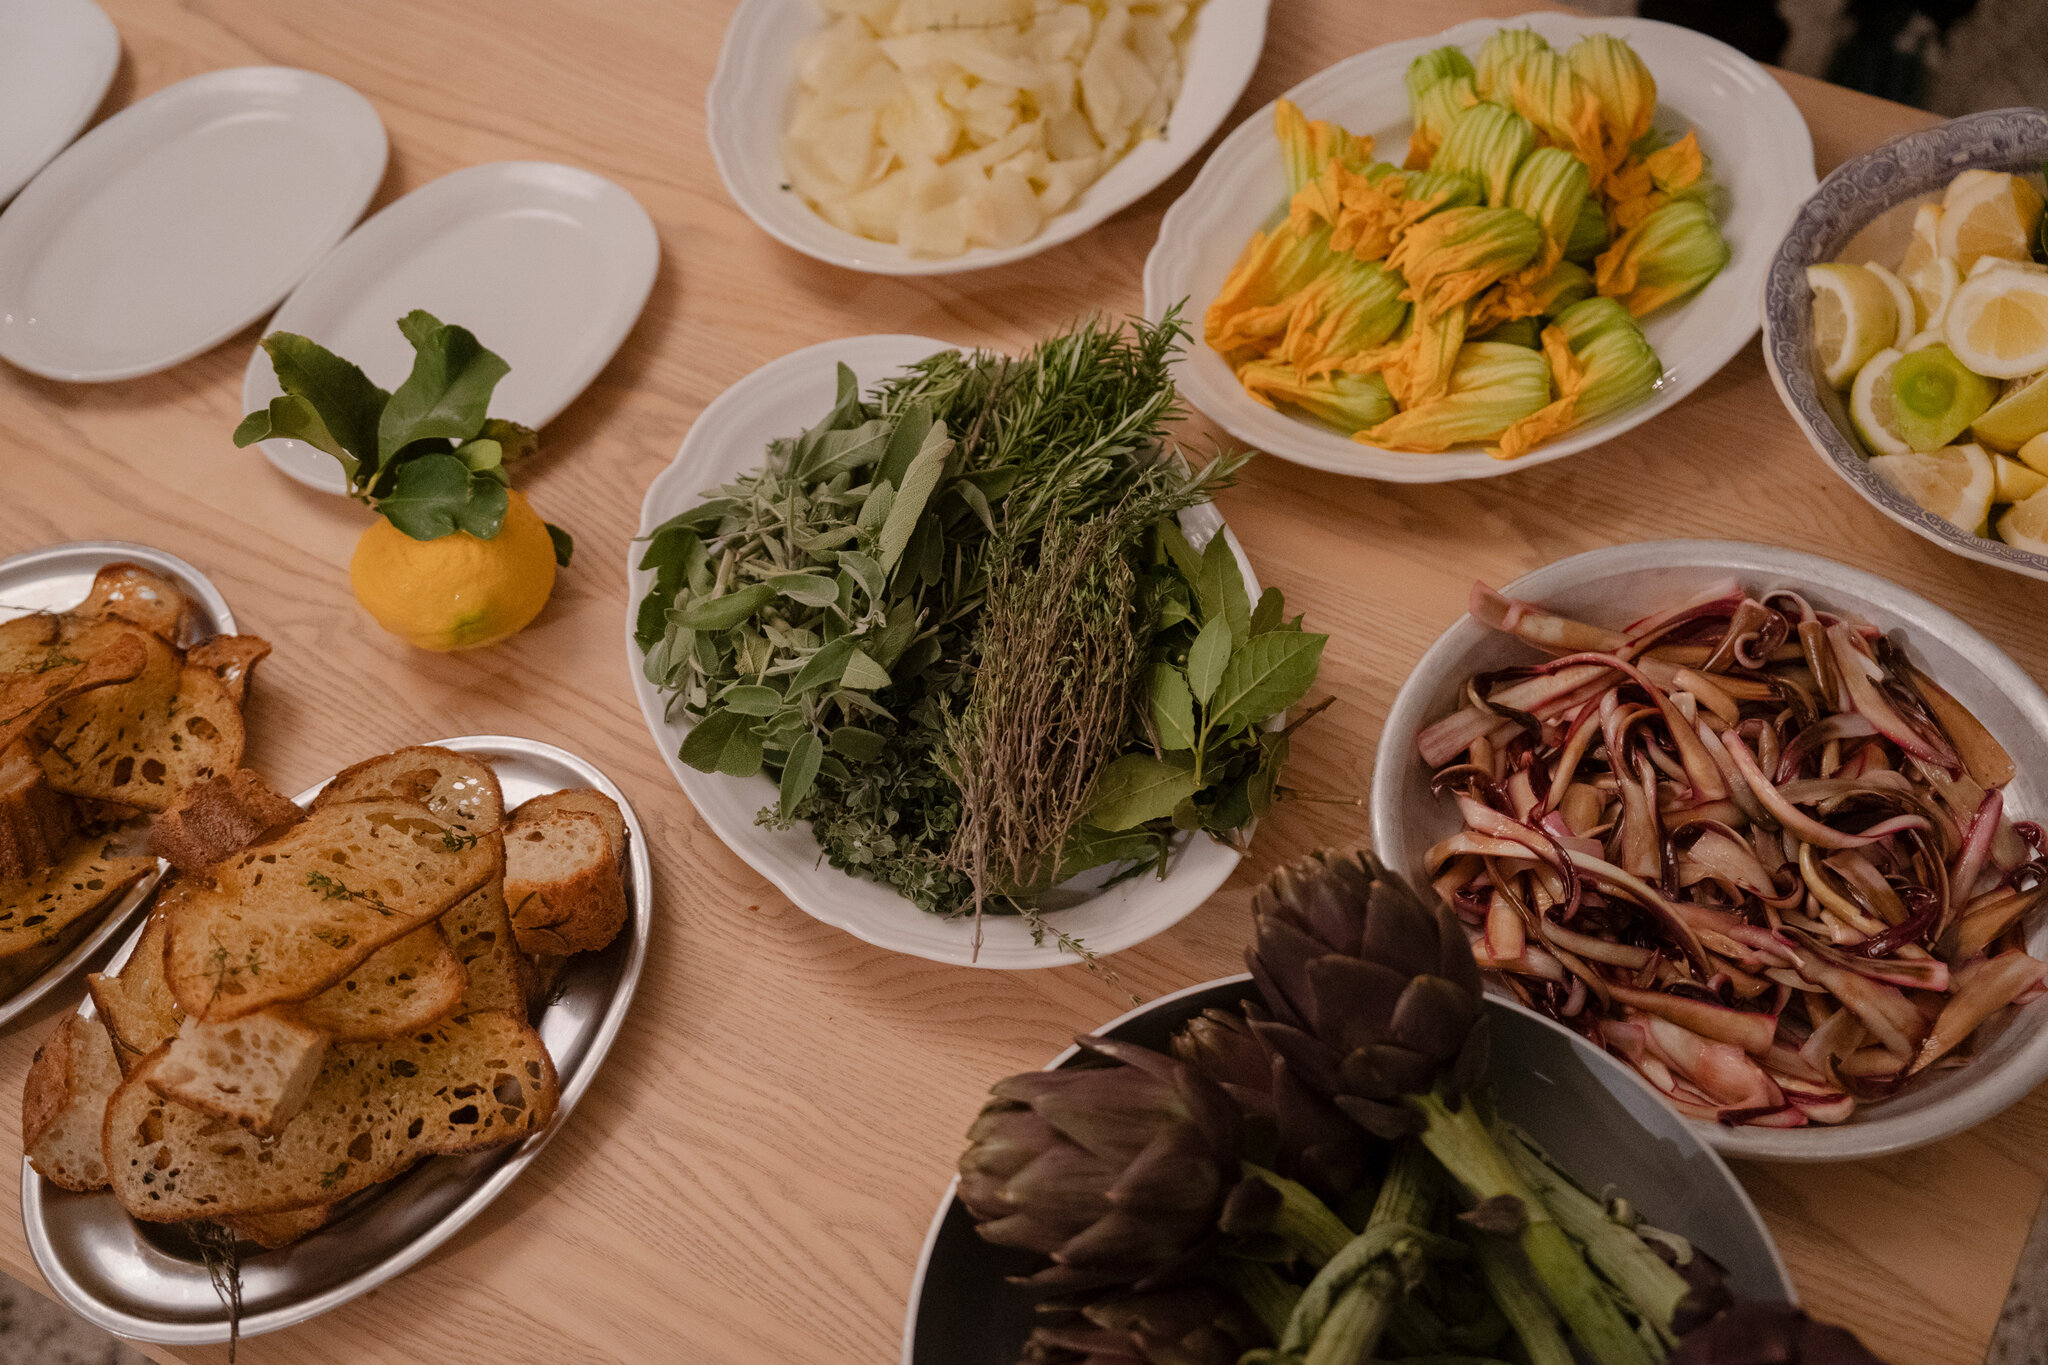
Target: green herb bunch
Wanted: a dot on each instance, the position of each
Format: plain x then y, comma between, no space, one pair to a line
429,457
938,617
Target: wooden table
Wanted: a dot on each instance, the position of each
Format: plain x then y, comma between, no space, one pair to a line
750,1178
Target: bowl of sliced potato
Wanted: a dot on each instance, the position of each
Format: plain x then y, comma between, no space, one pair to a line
1906,328
924,137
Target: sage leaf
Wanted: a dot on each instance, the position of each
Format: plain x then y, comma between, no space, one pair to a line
906,443
1271,612
874,511
1268,675
1173,708
1139,787
1221,588
977,503
448,391
865,572
839,452
723,742
916,490
799,770
751,700
1208,657
862,746
863,673
822,669
724,611
813,590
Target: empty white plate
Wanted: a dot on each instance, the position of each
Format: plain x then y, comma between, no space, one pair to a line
181,220
56,60
547,264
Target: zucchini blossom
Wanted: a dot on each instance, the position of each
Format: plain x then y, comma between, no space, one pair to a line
1348,402
1488,142
1433,191
1589,233
1419,369
1623,86
1503,47
1532,292
1438,64
1541,86
1371,209
1600,362
1450,256
1550,186
1307,147
1668,255
1257,298
1351,306
1645,184
1435,110
1493,386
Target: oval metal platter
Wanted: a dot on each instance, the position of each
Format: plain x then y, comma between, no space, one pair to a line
53,579
146,1281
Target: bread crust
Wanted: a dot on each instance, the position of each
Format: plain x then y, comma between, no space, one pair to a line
561,904
215,818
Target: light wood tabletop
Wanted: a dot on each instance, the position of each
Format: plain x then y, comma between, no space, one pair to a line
750,1177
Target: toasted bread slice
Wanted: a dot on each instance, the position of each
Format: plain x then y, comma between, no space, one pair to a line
135,1003
409,984
283,921
37,822
255,1071
587,799
25,641
540,979
220,816
562,883
143,597
39,686
232,659
479,929
64,1104
458,788
273,1231
472,1082
44,914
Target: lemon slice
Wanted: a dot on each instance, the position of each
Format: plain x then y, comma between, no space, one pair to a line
2013,481
1956,483
1920,268
1902,302
2034,454
1853,318
1997,324
1986,264
1870,406
1988,213
2026,525
2019,415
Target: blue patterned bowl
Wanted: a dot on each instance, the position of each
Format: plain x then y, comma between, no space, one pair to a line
1854,194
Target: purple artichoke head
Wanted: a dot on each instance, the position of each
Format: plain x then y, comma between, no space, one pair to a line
1374,994
1771,1334
1117,1173
1191,1323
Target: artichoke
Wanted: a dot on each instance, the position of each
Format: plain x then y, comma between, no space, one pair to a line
1771,1334
1119,1173
1193,1323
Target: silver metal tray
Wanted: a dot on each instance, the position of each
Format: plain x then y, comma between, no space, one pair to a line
145,1280
54,579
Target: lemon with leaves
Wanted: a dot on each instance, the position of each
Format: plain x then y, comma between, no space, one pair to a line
458,559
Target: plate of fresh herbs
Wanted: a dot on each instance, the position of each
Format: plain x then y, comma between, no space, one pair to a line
954,649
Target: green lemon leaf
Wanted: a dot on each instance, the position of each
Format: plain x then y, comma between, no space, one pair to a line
481,454
564,543
1268,675
482,513
1173,708
799,771
813,590
751,700
863,673
347,402
1221,589
1138,787
1208,657
516,441
431,491
724,611
862,746
448,391
723,742
296,418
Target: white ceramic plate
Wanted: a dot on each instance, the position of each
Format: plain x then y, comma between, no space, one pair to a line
143,1280
1755,141
181,220
549,266
748,104
731,437
57,58
1629,581
1585,1108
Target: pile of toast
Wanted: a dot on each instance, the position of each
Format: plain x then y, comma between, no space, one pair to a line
104,716
321,998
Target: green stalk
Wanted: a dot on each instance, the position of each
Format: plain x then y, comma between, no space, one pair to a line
1652,1287
1304,1222
1271,1298
1459,1139
1346,1308
1514,1288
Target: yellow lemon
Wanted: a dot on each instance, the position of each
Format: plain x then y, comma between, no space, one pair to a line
2026,525
1870,406
1854,318
1988,213
1902,300
2016,482
2019,415
1997,324
1955,483
456,592
1920,268
2034,454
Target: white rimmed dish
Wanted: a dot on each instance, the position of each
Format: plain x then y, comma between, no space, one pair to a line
1626,582
1589,1111
181,220
1755,140
548,265
143,1281
57,58
57,578
731,437
747,106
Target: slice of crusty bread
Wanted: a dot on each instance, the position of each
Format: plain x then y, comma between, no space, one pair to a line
562,883
44,914
143,597
64,1104
458,788
220,816
407,985
287,919
540,979
25,641
255,1071
37,686
272,1231
472,1082
232,659
479,930
36,821
586,799
134,1003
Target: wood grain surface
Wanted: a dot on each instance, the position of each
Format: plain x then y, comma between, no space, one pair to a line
750,1178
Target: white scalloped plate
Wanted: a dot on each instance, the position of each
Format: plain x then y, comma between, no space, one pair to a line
1753,136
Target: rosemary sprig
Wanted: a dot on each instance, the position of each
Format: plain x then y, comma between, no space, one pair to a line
222,1256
